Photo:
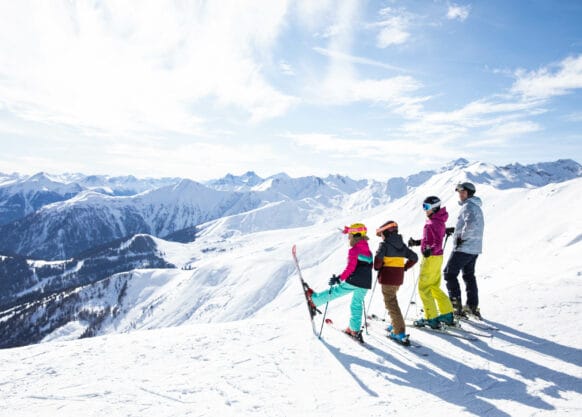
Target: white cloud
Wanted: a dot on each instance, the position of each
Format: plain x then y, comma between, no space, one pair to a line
286,68
114,67
367,149
545,83
458,12
394,28
356,59
506,131
486,122
342,84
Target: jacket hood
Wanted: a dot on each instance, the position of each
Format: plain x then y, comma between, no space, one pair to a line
440,216
395,240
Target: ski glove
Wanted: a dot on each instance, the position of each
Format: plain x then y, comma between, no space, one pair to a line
459,241
427,252
412,242
449,231
334,280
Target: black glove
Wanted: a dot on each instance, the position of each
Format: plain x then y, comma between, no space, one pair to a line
427,252
334,280
412,242
459,241
449,231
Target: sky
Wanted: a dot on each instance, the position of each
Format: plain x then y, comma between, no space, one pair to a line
368,89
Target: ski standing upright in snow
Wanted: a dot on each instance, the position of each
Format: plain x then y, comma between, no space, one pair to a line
307,291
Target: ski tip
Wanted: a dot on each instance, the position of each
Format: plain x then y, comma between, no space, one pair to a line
294,249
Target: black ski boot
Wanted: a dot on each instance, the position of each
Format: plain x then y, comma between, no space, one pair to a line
458,307
473,311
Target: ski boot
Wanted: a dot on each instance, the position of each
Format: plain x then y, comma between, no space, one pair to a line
432,323
473,311
354,334
447,319
458,307
313,310
401,338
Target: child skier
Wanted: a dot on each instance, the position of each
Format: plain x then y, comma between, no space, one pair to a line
356,279
390,264
429,280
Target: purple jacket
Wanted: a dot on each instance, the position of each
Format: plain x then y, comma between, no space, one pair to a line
434,232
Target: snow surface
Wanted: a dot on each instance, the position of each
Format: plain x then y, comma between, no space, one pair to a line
231,336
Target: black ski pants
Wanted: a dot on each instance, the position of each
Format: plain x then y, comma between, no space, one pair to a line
466,262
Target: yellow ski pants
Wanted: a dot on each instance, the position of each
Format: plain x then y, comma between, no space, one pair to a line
429,288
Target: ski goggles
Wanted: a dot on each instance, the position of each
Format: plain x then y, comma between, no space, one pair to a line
354,230
391,225
427,206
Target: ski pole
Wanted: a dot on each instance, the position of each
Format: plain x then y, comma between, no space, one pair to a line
448,231
412,295
325,312
372,294
365,318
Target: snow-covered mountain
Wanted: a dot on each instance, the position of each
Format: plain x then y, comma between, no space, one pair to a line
122,185
21,195
232,314
64,229
232,182
19,198
30,279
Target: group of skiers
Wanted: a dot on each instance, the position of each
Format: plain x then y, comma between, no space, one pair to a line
394,257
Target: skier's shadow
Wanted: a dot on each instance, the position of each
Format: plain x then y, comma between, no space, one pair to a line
538,344
468,388
561,381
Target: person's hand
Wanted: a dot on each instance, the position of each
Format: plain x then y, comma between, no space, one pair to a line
334,280
459,241
412,242
427,252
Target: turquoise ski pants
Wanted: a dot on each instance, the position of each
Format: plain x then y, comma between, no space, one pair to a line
337,291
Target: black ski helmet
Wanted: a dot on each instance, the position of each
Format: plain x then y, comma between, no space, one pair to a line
467,186
432,202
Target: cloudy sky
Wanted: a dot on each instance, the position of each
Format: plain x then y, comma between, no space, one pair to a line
369,89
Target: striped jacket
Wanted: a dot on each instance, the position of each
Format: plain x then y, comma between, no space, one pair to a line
392,258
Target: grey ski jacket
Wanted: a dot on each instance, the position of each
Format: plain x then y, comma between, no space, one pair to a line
470,225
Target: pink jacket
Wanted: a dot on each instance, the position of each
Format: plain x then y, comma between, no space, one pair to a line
434,232
360,248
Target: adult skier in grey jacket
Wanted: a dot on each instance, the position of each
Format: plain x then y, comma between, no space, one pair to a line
468,241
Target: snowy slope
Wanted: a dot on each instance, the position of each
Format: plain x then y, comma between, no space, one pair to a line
275,367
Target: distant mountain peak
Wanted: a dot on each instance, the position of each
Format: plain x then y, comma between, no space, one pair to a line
456,163
235,182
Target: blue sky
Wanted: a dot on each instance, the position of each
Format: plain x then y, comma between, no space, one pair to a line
369,89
